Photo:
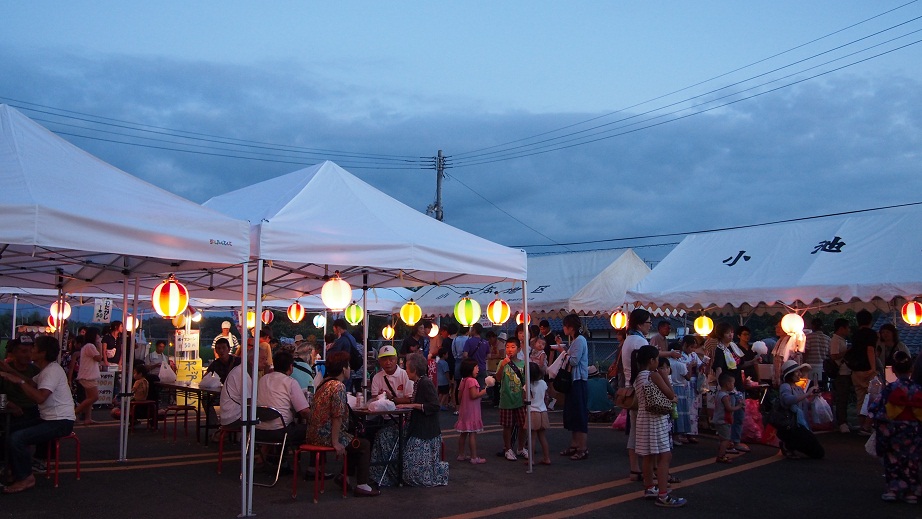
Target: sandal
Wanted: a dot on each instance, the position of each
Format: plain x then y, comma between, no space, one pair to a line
723,459
910,499
580,455
888,496
635,476
462,457
569,451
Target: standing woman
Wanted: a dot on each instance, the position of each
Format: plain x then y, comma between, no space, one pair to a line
729,359
88,373
422,463
638,326
576,405
888,343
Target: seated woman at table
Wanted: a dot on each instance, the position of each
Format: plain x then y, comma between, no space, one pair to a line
50,390
422,462
329,421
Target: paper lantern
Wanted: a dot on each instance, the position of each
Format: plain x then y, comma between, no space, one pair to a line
51,323
170,298
434,331
410,313
498,311
296,312
518,318
179,320
467,311
131,323
792,324
354,314
704,325
267,316
319,321
912,313
388,332
251,319
619,320
65,312
194,314
336,293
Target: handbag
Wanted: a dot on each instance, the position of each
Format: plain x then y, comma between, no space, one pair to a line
563,382
626,398
655,401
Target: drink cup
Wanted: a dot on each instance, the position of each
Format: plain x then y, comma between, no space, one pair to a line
3,402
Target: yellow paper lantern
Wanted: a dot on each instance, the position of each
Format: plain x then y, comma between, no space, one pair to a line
319,321
410,313
619,320
467,311
336,293
131,323
518,318
251,319
498,311
704,325
170,298
388,332
64,313
792,324
179,320
434,331
295,312
354,314
912,313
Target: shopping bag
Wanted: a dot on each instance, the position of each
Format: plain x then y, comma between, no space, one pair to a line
555,366
620,422
752,422
822,413
210,381
166,373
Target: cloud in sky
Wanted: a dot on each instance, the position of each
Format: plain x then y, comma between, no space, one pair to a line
847,141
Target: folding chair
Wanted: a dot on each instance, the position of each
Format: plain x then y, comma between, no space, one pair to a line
271,437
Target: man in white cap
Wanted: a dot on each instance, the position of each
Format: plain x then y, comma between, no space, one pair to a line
231,338
392,379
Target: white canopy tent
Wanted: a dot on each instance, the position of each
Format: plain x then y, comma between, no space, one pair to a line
71,221
869,259
311,223
588,283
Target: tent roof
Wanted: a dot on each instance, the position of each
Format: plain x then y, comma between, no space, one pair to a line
320,219
871,257
584,282
72,220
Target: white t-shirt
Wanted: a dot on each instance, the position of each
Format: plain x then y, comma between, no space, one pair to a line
235,385
838,345
679,370
631,343
89,368
279,391
60,403
399,381
538,389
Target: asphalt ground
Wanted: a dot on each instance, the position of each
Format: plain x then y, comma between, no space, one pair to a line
163,479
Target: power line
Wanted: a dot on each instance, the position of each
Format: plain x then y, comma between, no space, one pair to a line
732,228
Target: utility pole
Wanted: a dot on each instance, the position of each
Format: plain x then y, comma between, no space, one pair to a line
435,209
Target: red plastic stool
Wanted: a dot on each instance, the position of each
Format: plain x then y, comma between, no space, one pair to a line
153,412
57,457
320,463
175,411
225,430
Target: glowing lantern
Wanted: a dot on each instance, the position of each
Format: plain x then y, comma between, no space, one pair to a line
194,314
319,321
131,323
296,312
267,316
388,332
336,293
518,318
354,314
51,323
467,310
179,321
64,313
251,319
170,298
912,313
410,313
498,311
619,320
434,331
792,324
704,325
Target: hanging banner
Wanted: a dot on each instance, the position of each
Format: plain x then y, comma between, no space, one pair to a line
102,310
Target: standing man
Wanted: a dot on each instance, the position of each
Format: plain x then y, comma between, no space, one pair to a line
864,340
659,338
816,350
414,342
549,338
231,338
477,348
156,358
841,380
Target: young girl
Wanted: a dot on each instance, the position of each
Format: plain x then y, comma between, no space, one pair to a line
538,410
652,430
725,403
679,377
139,388
469,421
693,394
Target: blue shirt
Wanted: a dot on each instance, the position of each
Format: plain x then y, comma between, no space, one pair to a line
579,358
442,371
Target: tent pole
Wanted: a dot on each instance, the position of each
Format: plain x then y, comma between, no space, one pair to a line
365,334
254,369
131,358
528,395
15,303
122,385
244,462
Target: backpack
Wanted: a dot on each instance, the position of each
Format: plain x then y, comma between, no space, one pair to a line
355,358
775,414
856,359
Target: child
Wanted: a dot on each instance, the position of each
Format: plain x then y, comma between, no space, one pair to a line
139,388
695,379
444,384
510,379
538,410
469,421
680,376
725,403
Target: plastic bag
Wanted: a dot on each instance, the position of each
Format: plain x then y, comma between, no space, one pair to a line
555,366
864,406
871,446
822,412
752,422
166,373
210,381
381,404
620,422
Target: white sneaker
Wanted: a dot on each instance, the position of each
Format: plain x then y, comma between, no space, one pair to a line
510,455
523,453
551,404
845,429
